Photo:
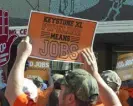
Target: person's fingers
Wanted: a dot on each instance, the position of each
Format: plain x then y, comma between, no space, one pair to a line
88,55
30,39
92,55
91,49
86,58
22,40
27,39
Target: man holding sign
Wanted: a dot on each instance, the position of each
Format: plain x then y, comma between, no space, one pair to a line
14,93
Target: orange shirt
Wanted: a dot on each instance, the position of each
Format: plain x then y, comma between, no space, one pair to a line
23,100
43,96
123,96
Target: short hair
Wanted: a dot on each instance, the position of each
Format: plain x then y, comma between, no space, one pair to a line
93,98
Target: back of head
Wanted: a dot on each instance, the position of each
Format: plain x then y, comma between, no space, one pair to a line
112,79
39,83
83,85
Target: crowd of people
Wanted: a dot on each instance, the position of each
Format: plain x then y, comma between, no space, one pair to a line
83,86
78,87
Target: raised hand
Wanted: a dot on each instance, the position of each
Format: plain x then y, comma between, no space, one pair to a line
24,48
89,60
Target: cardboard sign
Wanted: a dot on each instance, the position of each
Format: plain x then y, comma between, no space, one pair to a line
37,69
6,40
124,66
57,37
21,31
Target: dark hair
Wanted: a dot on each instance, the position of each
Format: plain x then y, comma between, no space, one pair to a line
37,82
57,85
53,99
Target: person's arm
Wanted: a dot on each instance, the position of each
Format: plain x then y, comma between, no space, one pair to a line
50,81
16,77
44,94
107,95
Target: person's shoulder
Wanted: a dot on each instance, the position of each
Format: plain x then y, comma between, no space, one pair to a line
24,100
21,100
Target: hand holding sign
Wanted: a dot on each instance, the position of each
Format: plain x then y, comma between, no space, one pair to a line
88,58
24,48
6,40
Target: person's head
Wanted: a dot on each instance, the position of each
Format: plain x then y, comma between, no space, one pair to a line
78,88
39,83
53,99
112,79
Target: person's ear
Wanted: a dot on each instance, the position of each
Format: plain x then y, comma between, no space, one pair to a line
70,98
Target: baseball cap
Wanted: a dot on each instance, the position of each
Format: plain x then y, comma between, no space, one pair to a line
57,77
81,83
112,79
